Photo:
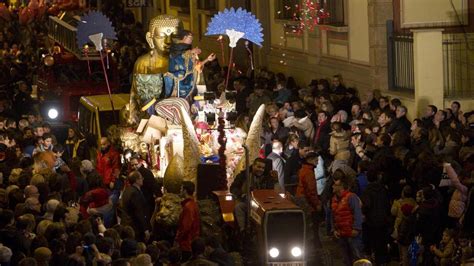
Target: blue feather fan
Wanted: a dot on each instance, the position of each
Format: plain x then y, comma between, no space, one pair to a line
92,23
239,20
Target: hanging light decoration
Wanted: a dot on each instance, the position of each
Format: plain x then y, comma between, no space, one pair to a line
308,15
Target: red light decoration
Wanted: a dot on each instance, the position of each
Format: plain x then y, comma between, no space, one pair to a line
308,15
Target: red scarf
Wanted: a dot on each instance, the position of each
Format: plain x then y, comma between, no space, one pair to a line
318,130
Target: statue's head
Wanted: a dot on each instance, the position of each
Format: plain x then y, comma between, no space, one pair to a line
160,31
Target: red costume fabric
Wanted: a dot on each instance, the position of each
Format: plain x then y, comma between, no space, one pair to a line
108,165
189,224
343,217
93,199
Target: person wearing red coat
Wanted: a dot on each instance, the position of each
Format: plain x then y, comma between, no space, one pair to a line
189,224
306,192
347,220
108,163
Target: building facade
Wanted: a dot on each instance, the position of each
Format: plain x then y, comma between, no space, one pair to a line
400,47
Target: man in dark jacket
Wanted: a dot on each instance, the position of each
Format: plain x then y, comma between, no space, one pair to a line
278,163
243,92
321,135
401,123
376,206
134,207
428,117
293,165
151,189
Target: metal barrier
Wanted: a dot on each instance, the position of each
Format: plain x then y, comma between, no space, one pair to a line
65,34
458,57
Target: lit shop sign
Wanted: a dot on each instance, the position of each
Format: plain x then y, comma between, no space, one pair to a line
139,3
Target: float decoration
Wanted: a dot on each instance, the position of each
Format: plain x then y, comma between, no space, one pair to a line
222,140
95,27
236,24
253,139
190,147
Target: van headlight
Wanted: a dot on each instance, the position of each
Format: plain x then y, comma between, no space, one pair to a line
296,251
274,252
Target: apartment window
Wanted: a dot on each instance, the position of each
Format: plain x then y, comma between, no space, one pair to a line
181,5
207,5
336,10
286,9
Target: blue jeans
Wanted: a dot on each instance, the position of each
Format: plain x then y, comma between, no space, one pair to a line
351,248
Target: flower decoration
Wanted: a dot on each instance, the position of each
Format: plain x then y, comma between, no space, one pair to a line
236,24
94,27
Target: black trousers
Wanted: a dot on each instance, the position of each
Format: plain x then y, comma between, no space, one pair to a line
377,238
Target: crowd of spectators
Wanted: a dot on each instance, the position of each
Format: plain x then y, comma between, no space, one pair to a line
380,183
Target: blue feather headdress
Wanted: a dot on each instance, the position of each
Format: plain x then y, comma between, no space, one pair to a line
94,26
236,24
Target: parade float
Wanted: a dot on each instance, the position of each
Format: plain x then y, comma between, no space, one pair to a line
197,126
178,137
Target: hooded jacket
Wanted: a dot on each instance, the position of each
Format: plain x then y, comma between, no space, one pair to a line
339,145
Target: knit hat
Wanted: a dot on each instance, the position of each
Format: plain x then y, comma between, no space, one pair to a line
42,254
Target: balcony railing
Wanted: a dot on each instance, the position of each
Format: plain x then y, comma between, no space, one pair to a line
458,63
65,34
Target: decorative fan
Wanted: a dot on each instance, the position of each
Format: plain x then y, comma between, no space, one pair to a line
236,24
94,26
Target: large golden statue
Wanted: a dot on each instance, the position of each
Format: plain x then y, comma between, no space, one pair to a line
147,79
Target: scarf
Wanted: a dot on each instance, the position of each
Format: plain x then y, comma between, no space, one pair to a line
318,130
